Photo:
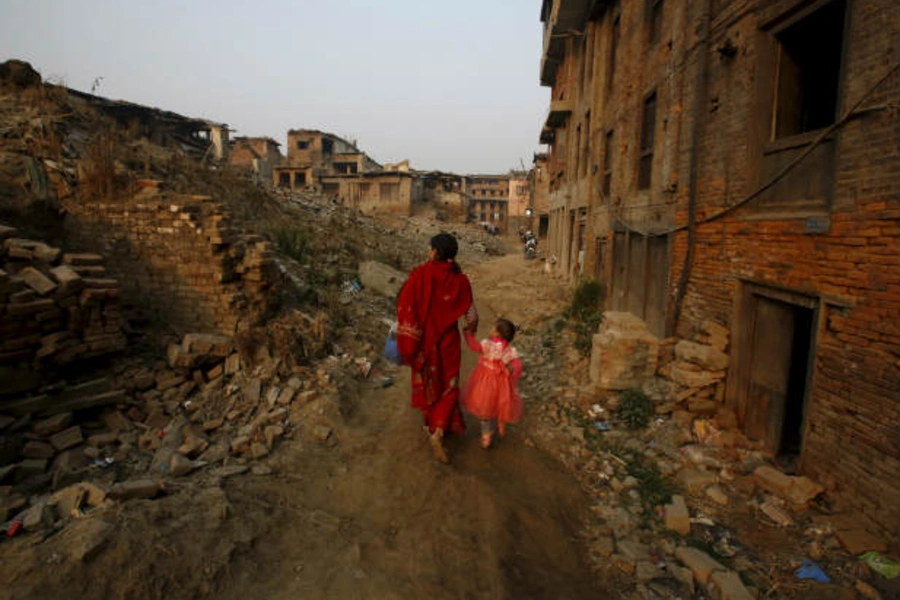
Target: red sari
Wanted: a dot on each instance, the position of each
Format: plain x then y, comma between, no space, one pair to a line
432,300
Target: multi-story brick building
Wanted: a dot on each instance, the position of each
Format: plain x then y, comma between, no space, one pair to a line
489,199
737,160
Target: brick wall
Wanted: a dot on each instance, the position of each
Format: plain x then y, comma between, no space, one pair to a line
178,259
851,441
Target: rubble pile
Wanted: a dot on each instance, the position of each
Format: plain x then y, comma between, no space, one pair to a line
682,508
56,307
698,368
123,437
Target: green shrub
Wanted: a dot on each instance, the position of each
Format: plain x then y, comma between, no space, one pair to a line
584,332
585,313
293,242
635,409
586,299
654,489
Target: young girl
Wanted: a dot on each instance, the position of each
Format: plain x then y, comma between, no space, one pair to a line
491,391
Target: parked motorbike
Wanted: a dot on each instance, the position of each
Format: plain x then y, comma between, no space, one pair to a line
531,247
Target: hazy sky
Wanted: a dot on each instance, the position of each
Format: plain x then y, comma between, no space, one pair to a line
451,85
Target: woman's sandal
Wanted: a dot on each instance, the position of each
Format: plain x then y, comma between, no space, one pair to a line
438,447
501,429
486,440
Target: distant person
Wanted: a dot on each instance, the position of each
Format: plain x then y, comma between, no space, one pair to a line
435,296
491,392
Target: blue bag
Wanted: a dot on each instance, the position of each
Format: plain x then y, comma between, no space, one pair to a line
391,353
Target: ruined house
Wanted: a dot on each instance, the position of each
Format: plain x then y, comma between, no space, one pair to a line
489,200
737,161
346,173
198,138
377,191
313,154
257,156
445,193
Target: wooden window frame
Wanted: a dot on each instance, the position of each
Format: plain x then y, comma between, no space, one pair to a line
647,141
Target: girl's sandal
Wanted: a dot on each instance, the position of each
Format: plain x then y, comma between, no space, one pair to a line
485,440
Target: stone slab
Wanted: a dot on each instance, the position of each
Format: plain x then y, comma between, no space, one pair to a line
701,564
67,438
727,585
857,541
677,517
798,490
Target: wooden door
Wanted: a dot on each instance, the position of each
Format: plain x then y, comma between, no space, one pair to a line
770,368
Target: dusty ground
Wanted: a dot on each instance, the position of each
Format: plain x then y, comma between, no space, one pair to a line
366,513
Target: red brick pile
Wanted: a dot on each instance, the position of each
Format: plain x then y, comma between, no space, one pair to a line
55,308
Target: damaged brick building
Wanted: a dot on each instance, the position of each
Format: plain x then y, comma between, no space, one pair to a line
339,168
257,156
737,161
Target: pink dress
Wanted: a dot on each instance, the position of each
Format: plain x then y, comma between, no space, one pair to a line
490,392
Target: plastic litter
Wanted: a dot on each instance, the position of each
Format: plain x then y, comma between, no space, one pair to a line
351,286
391,352
881,565
602,426
364,365
14,528
707,433
810,570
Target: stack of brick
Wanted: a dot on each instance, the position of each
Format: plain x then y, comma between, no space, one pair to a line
699,369
179,259
55,308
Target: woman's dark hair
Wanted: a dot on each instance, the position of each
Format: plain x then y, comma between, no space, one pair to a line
506,329
445,245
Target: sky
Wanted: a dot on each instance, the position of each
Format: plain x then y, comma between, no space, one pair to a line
449,85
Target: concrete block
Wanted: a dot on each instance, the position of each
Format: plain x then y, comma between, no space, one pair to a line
623,353
381,278
798,490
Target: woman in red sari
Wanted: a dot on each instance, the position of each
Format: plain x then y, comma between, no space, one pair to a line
436,295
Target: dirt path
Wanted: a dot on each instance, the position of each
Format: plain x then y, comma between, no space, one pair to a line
366,513
372,515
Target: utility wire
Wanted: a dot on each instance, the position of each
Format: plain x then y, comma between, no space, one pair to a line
851,113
